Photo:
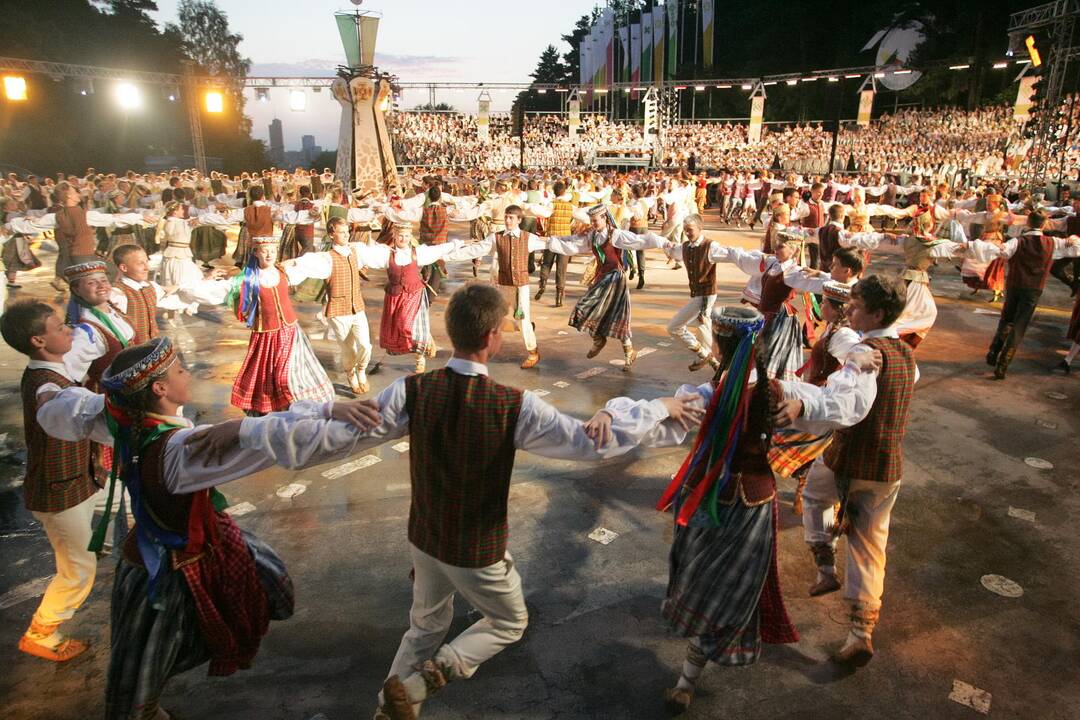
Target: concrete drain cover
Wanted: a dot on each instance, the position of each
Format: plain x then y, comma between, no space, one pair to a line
1002,586
1055,395
1039,463
290,491
970,696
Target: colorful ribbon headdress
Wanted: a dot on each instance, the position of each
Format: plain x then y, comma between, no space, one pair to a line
706,471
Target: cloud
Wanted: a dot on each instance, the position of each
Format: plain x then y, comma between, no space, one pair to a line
411,67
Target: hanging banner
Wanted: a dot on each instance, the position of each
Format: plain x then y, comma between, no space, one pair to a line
574,120
482,129
646,47
609,30
1022,108
658,44
624,54
635,57
866,107
757,112
672,39
708,11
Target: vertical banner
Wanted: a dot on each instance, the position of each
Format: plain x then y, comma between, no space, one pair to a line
866,107
610,75
708,11
573,121
635,57
757,112
482,129
651,123
658,44
624,50
672,39
369,31
646,47
1022,108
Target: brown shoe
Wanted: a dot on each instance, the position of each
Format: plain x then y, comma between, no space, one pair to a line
677,701
699,363
856,652
421,364
531,360
631,356
396,703
66,650
828,585
598,344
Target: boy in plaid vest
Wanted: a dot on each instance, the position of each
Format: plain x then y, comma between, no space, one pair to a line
59,485
862,468
460,487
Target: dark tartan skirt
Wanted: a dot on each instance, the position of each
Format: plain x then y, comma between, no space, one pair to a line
207,243
715,583
11,258
151,644
604,309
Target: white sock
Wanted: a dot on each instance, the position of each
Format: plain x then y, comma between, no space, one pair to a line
1073,352
415,688
51,640
690,674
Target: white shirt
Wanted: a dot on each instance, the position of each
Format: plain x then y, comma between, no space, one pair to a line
87,345
293,441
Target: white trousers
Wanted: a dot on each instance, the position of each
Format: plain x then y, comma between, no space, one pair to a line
692,312
69,534
494,590
518,297
864,579
354,336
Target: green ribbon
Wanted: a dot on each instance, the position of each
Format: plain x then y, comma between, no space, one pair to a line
104,319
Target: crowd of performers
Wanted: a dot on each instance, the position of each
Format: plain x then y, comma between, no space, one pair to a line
103,393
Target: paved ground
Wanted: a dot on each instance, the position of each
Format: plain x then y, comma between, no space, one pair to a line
970,506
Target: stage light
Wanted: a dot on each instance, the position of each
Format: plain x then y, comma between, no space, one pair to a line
1001,65
628,90
809,79
879,74
15,87
171,93
853,75
215,101
959,67
901,72
262,94
771,82
1033,52
680,87
84,87
601,91
562,89
833,78
128,96
699,88
542,91
792,82
747,87
297,100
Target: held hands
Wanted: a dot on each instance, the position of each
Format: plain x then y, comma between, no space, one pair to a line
685,411
866,360
210,444
787,413
361,414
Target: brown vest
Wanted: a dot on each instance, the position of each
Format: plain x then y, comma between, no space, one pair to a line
72,230
258,220
460,479
699,270
513,256
58,473
141,312
873,448
1029,267
344,296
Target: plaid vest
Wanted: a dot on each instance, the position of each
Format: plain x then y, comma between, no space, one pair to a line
460,479
699,271
513,258
433,224
99,366
58,473
872,449
562,218
344,296
141,312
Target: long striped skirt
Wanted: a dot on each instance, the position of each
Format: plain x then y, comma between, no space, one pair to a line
724,585
783,346
279,369
406,326
604,309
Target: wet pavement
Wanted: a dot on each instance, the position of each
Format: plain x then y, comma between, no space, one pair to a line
970,506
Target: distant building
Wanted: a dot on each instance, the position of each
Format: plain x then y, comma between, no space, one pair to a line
309,150
277,143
